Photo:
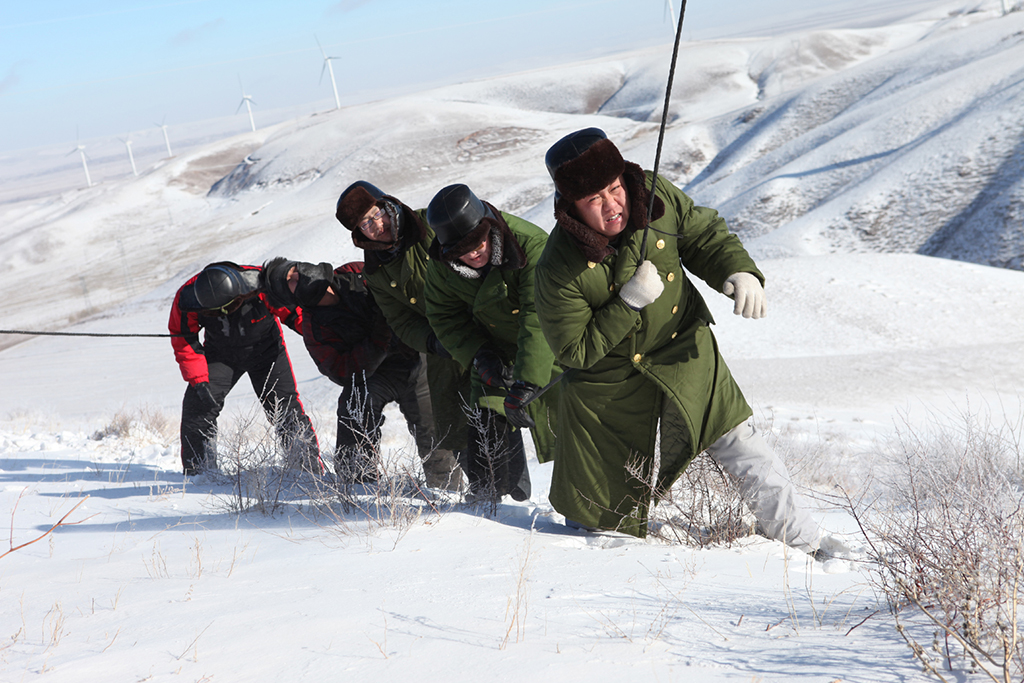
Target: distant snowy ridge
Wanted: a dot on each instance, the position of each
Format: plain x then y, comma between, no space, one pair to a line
900,138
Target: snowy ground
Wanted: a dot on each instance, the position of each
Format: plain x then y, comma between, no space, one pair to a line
160,580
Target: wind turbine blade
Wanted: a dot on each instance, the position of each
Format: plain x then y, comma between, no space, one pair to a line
322,70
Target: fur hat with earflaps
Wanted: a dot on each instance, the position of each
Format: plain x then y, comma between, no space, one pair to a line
354,202
583,163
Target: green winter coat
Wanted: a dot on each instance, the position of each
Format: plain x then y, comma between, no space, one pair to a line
624,367
398,288
498,310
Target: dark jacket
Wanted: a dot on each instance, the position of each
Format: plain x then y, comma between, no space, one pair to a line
350,339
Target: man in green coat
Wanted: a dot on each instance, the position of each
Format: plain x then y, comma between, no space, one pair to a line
480,304
394,239
618,309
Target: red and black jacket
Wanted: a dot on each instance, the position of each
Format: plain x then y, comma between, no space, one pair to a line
254,323
351,338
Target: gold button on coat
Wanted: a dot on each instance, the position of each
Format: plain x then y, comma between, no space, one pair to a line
394,284
675,309
591,264
515,311
412,300
671,277
660,244
636,358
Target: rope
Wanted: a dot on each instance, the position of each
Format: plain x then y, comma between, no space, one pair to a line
654,178
84,334
661,133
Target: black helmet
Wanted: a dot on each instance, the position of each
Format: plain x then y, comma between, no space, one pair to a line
356,200
454,212
218,285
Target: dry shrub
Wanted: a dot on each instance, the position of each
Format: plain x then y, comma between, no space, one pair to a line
702,509
945,525
268,476
144,423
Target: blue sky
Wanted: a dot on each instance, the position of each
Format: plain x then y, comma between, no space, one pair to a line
91,68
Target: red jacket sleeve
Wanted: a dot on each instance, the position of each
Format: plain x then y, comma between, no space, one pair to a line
188,350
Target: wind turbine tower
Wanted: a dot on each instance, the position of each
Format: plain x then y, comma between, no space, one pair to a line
167,140
131,157
330,70
247,101
80,148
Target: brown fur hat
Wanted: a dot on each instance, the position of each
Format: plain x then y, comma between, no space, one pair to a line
355,201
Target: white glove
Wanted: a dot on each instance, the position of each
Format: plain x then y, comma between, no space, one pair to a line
747,292
643,288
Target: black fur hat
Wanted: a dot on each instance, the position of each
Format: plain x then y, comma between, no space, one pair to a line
583,162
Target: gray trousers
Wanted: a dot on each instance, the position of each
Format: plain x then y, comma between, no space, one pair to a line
763,480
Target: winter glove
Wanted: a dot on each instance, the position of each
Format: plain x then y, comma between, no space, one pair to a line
518,396
643,288
205,396
435,347
747,293
492,370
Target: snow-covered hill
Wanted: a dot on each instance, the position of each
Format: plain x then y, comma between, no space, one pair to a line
846,159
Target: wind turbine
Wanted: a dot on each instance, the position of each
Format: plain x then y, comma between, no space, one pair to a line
167,140
247,101
80,148
330,70
131,157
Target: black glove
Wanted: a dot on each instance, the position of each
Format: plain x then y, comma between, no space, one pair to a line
491,368
435,347
518,396
205,396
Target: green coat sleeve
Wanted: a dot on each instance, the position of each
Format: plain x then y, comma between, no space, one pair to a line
533,355
409,323
706,247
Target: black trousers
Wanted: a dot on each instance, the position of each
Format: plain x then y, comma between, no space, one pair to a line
361,410
273,380
495,462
